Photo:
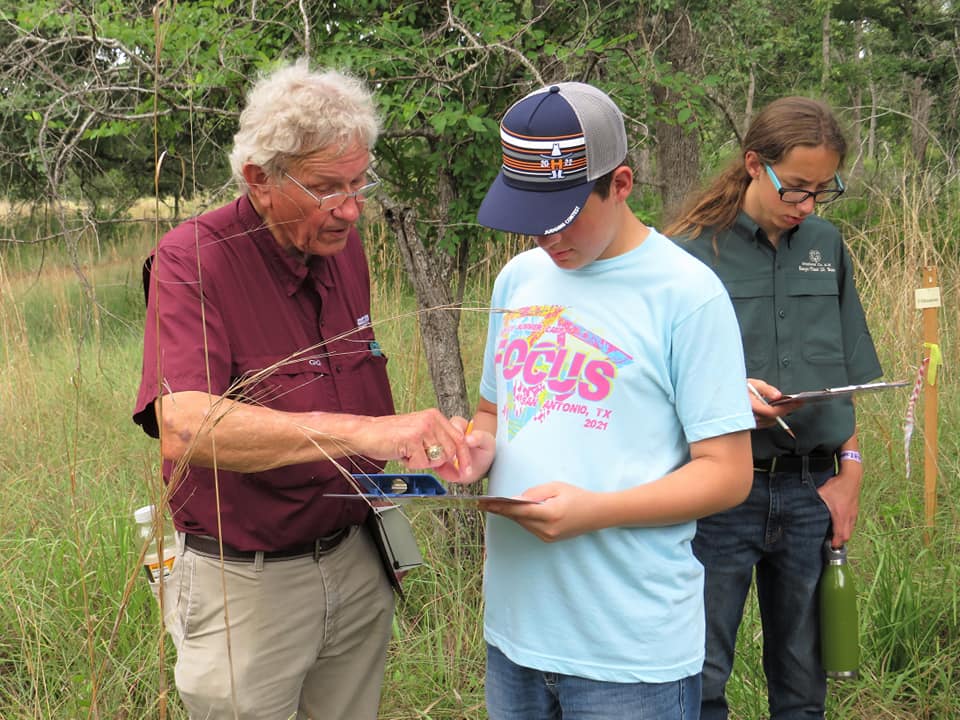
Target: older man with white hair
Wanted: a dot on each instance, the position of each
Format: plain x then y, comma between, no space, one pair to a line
266,386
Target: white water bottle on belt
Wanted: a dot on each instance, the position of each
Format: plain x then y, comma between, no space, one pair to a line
155,564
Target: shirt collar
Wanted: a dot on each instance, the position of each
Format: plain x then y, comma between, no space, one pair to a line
746,228
290,268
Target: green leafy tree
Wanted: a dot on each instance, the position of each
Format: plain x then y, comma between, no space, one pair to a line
109,101
445,74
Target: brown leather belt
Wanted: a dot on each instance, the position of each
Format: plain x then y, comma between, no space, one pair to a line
794,463
210,547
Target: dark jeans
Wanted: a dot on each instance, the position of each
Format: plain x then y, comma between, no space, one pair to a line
779,531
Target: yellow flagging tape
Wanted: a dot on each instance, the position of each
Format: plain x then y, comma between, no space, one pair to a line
935,361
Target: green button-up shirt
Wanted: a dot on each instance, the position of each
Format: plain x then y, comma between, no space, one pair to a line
801,322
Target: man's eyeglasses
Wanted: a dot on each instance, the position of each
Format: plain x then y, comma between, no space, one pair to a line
795,196
331,201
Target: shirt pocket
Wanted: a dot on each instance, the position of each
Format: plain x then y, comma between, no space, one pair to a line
820,332
360,369
295,382
753,303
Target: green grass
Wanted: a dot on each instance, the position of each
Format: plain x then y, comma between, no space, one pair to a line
80,633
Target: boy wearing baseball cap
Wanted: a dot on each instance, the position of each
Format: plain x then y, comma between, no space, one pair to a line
612,397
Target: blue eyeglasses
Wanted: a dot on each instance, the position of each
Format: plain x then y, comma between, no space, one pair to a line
795,196
331,201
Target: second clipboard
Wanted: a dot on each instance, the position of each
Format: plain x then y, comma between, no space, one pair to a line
837,392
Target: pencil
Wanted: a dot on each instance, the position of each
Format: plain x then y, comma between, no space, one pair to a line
780,421
469,429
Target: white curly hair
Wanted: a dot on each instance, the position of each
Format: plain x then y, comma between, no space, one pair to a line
293,112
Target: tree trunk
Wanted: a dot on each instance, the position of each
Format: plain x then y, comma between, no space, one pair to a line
856,168
921,103
438,314
825,49
642,166
439,321
678,144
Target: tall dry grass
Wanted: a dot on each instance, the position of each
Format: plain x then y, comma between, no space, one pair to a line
79,631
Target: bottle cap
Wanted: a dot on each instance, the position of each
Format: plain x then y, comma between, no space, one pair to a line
834,556
144,515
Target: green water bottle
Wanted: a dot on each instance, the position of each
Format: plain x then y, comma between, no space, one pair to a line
839,627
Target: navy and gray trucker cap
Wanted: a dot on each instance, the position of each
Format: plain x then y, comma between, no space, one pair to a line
556,142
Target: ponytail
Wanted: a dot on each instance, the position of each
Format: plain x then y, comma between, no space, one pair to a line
716,206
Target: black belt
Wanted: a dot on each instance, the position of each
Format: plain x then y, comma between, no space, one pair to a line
794,463
210,546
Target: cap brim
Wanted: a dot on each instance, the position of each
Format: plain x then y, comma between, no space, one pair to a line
528,212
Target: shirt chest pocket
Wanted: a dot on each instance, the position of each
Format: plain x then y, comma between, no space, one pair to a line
753,303
297,383
359,368
814,306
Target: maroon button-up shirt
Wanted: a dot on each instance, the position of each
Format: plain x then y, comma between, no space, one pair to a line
225,304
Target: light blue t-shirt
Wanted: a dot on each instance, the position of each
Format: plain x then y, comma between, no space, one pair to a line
602,377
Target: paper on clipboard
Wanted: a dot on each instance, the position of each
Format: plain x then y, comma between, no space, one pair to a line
837,392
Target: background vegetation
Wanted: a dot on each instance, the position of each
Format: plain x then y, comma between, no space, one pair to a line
104,103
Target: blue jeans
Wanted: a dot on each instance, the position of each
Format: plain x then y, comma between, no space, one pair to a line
779,530
520,693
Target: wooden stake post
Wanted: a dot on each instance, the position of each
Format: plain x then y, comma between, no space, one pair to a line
928,300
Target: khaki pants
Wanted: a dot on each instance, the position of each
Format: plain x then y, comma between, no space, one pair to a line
307,639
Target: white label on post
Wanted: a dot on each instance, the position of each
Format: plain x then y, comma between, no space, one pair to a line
927,297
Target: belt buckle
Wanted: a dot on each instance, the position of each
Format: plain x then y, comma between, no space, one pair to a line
324,545
766,466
